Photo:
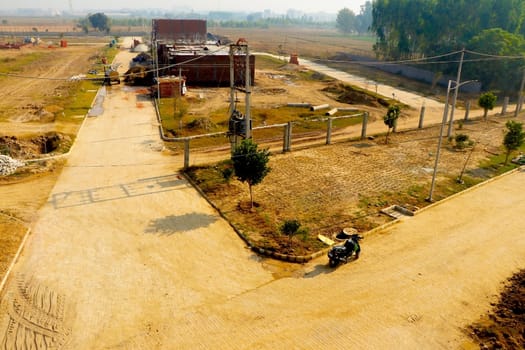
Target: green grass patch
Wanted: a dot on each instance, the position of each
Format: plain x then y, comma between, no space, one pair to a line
310,75
16,65
496,163
217,120
268,62
110,52
211,178
81,97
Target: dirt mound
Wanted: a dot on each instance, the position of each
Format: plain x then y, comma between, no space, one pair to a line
349,94
272,91
505,327
27,148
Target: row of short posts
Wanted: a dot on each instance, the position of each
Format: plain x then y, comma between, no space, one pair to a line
504,108
329,128
287,139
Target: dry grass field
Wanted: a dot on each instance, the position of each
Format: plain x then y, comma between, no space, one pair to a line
306,42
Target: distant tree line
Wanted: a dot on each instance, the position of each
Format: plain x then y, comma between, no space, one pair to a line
408,29
304,21
348,22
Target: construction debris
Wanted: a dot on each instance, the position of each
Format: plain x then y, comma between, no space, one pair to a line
316,108
8,165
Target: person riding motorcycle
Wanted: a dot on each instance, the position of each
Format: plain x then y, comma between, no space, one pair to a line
352,245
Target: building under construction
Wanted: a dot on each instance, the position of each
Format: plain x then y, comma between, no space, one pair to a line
184,48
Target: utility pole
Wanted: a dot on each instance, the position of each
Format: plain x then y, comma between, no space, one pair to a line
520,95
451,122
240,48
445,114
232,81
248,96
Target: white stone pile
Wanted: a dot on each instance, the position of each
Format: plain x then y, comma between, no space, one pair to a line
8,165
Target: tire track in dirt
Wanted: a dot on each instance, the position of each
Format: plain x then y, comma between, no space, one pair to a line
35,318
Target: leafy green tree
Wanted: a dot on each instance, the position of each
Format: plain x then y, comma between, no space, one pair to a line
513,138
250,164
497,74
290,228
100,22
425,28
487,101
390,118
346,20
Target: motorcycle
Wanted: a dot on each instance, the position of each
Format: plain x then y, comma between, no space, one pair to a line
341,254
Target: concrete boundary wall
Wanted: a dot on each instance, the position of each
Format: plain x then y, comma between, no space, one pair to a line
410,72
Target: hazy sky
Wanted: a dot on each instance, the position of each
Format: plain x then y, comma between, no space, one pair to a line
279,6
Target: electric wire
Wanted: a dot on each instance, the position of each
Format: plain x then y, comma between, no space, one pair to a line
415,61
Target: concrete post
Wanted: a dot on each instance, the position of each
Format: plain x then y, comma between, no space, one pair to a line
365,124
421,117
467,110
285,139
289,137
519,104
505,104
329,131
458,79
186,153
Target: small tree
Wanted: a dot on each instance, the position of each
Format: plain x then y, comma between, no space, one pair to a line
513,138
390,119
462,140
290,228
100,21
250,164
487,101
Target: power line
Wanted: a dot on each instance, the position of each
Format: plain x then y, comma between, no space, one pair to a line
416,61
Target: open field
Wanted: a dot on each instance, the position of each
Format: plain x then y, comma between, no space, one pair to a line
306,42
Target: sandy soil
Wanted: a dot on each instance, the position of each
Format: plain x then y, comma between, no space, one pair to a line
126,255
24,99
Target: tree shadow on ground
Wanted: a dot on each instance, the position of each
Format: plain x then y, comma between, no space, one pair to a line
171,224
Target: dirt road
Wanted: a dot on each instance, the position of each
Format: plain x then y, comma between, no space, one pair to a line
126,255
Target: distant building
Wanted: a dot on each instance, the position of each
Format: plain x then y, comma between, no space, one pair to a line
180,31
182,49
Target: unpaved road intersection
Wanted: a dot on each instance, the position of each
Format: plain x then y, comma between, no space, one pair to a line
126,255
